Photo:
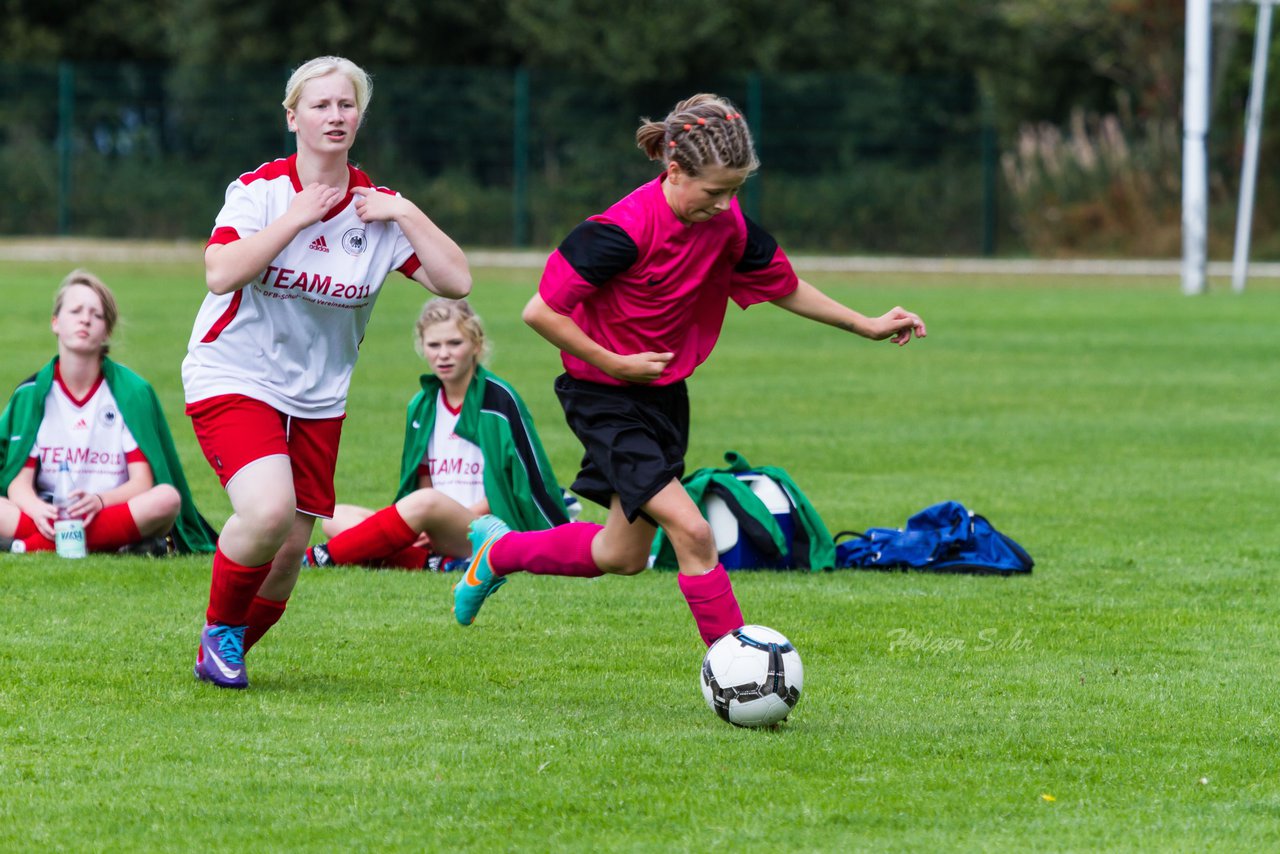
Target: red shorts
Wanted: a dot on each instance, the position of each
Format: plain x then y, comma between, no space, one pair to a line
234,430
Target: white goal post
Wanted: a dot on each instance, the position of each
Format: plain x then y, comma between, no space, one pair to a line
1195,173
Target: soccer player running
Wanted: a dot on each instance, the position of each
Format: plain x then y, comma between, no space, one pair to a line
470,448
297,258
635,298
104,421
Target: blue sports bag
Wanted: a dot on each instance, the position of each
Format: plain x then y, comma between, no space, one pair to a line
946,537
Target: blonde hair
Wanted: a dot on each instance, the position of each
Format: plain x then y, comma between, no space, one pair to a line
705,130
459,311
110,311
322,66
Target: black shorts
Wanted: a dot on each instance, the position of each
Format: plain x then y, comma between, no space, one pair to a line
635,438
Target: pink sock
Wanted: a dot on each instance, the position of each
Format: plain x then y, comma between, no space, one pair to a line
263,614
384,533
232,589
715,608
112,528
565,550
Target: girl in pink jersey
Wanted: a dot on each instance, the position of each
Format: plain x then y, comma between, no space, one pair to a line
635,298
298,255
470,448
104,422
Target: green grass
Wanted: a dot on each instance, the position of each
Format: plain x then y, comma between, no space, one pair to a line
1121,698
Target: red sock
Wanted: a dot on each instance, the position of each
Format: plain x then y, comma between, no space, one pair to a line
715,608
26,526
232,589
409,557
112,528
263,614
31,536
38,542
384,533
564,550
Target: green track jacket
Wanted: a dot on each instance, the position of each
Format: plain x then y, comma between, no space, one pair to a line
518,481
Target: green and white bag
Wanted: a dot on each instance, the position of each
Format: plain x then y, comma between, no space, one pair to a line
760,518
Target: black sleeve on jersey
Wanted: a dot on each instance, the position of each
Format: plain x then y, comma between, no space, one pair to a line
760,250
598,251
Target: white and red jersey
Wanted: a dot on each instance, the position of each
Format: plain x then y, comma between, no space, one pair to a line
89,435
290,337
454,464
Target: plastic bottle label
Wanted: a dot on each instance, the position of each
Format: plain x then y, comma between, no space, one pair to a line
69,537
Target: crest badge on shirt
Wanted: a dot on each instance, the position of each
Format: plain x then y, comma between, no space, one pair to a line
353,241
108,416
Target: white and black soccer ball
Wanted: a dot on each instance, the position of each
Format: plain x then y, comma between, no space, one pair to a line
752,677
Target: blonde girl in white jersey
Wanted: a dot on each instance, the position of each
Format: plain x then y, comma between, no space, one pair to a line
296,260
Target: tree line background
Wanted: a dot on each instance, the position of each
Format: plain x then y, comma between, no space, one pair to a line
1017,126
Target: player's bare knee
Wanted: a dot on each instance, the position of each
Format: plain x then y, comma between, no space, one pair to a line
168,502
418,506
269,522
692,533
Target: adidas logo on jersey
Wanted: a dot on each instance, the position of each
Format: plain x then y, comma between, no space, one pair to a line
81,425
319,245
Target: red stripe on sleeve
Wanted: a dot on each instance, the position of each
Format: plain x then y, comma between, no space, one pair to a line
410,266
223,235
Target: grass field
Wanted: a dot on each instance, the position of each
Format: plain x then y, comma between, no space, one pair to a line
1122,697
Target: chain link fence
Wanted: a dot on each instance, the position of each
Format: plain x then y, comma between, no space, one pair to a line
501,157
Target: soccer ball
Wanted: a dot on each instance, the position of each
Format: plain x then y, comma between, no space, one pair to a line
752,677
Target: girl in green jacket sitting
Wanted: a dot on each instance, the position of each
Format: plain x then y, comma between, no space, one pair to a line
100,424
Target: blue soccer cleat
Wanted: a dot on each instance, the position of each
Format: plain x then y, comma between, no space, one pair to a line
479,582
221,658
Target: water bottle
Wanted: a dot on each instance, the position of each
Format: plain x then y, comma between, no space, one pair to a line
68,530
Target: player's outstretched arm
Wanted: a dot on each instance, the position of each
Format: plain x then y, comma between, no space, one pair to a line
897,324
444,269
567,335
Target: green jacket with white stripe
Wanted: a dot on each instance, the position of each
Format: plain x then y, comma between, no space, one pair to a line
519,484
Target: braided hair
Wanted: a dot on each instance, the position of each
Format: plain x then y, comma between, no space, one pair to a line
705,130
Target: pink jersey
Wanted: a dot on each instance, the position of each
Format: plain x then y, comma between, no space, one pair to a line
290,337
636,279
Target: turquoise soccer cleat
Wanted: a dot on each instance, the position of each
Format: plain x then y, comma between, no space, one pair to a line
478,582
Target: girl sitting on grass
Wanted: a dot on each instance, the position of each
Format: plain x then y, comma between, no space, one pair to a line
105,422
